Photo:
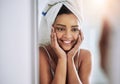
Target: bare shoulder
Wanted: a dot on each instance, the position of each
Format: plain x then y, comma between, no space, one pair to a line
43,58
85,65
85,57
45,74
42,54
41,50
85,54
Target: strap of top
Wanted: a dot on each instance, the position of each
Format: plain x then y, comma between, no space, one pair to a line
50,59
47,53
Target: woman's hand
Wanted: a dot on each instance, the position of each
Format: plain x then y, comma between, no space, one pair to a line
54,44
74,50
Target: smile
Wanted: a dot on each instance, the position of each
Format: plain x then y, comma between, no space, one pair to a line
67,42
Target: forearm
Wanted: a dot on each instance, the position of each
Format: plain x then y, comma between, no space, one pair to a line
60,73
73,77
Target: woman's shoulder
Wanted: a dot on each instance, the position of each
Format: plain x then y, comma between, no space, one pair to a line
43,56
43,48
43,52
85,54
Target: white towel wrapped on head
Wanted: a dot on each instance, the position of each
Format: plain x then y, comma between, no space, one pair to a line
50,12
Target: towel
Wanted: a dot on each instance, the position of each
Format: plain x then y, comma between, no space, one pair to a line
50,12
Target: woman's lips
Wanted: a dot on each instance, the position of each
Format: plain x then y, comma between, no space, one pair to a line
66,42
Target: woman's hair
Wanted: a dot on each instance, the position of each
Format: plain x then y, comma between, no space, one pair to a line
64,10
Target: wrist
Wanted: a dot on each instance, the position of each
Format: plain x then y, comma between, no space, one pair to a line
70,59
70,55
62,58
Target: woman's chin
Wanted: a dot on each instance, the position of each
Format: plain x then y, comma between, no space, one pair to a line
66,49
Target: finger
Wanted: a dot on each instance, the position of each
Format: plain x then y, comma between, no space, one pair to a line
51,32
54,34
82,36
52,37
78,43
55,38
79,40
53,29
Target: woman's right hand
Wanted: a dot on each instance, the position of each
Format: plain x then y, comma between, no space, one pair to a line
54,44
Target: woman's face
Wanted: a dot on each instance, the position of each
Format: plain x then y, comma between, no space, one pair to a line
67,30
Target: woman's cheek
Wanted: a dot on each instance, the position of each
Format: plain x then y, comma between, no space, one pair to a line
76,36
58,35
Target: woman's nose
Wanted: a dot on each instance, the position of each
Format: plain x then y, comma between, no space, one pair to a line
67,34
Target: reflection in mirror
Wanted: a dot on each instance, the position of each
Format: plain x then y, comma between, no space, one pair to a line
109,43
59,42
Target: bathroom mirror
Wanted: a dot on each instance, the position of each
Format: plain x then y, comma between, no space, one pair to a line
94,22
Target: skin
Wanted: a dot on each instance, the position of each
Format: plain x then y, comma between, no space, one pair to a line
66,37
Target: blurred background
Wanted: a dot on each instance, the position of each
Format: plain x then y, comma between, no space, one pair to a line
101,30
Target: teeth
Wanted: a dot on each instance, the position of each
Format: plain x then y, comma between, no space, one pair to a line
67,41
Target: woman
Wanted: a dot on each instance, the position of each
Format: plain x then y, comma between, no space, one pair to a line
61,60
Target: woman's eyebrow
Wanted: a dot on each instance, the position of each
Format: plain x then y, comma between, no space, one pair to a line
61,25
65,25
75,26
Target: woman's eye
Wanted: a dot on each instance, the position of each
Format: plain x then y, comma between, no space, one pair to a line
60,29
75,29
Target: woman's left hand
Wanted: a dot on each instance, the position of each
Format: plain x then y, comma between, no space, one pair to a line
74,50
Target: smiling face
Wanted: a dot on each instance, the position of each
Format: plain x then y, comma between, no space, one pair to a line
67,30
